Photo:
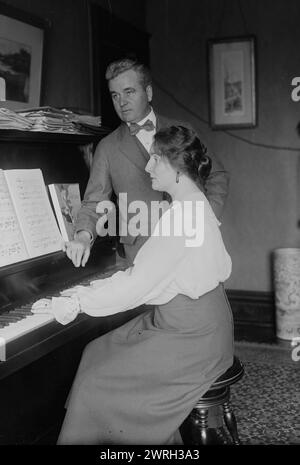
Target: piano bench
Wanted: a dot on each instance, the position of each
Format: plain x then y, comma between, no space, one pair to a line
217,395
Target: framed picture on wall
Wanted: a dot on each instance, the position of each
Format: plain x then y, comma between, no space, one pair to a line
21,57
232,82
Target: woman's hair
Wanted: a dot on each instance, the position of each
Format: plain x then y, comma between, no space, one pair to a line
125,64
184,151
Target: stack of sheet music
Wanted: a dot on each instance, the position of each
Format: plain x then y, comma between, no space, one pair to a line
87,124
11,120
48,119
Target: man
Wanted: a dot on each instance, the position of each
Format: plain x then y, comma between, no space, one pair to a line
120,159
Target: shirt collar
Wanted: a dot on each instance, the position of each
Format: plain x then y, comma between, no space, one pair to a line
151,116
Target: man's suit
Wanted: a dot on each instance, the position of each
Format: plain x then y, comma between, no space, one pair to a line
119,166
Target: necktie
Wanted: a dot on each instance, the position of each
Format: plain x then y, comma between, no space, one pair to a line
134,128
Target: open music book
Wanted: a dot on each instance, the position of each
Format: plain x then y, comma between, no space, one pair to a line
28,227
66,202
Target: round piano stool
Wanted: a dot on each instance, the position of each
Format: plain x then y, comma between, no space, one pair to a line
217,395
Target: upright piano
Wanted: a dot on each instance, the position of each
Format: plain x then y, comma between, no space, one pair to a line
38,356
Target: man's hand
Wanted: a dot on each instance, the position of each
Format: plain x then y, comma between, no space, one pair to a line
79,249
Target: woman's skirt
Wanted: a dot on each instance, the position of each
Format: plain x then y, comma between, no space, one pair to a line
138,383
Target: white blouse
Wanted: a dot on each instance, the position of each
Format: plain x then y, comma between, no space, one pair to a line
184,255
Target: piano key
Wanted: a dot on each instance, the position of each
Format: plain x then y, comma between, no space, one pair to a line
21,313
14,314
3,324
10,318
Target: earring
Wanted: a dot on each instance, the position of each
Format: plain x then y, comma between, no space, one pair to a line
177,177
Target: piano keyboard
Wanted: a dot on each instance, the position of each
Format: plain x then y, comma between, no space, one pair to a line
20,321
15,329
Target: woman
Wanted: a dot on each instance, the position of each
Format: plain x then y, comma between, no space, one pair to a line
137,384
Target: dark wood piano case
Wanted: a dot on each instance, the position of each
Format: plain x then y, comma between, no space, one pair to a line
37,375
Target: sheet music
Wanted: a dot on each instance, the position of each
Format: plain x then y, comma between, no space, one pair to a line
12,245
34,211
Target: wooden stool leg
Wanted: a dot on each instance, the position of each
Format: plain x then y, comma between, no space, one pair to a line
231,423
202,424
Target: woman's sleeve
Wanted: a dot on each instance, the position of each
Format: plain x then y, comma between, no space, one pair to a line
154,268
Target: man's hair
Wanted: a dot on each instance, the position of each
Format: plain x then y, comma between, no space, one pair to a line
125,64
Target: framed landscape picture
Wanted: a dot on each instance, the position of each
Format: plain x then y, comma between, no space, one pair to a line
21,57
232,86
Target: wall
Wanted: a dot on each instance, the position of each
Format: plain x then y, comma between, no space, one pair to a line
67,65
263,205
262,211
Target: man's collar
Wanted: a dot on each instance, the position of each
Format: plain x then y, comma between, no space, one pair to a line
151,116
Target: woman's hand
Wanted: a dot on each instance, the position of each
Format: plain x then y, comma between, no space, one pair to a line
64,309
42,306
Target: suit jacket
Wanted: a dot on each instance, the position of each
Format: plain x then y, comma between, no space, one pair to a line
119,166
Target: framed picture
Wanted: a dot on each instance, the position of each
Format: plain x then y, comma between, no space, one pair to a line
21,57
232,82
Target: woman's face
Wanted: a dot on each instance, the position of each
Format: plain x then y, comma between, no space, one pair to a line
162,174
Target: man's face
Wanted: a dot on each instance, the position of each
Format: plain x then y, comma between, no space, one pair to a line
130,99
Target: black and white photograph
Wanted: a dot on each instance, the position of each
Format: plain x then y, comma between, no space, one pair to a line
149,228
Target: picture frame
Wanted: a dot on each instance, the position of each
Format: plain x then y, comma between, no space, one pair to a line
232,82
22,43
